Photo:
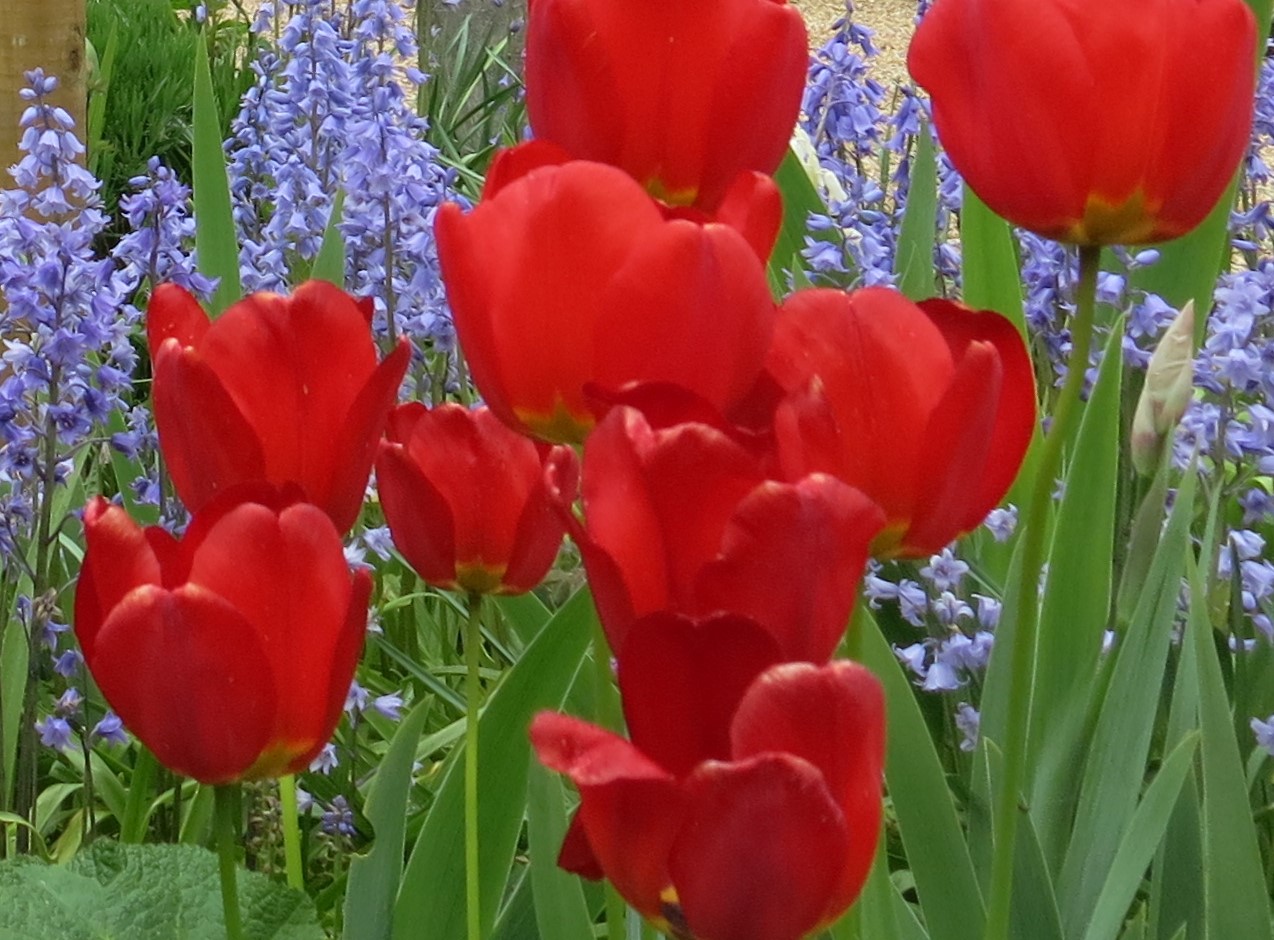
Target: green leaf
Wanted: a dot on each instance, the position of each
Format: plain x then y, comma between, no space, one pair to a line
374,877
1238,903
1144,834
216,244
1075,610
143,892
916,236
132,827
1034,907
800,198
14,653
1116,759
989,256
950,896
329,264
432,890
560,909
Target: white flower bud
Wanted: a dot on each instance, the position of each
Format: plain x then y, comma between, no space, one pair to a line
1167,392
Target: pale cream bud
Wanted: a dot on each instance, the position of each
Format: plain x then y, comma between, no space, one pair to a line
1167,392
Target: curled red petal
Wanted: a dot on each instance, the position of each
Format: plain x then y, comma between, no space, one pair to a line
174,314
682,679
834,717
791,558
762,852
187,674
630,809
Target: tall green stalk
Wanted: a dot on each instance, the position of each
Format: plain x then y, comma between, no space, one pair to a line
1026,627
291,832
473,699
226,823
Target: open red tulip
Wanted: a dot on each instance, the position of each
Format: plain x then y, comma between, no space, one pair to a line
770,841
228,653
281,390
682,96
927,408
683,518
1084,120
466,500
570,276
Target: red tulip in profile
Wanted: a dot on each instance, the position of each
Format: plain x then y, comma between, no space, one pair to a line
684,518
283,390
682,96
926,408
1096,122
228,653
769,840
570,276
466,501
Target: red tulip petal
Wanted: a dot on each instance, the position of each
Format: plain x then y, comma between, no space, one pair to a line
753,206
656,502
959,432
360,432
1015,419
682,680
174,314
207,443
722,303
576,855
834,717
117,559
762,851
813,537
513,163
187,674
540,528
286,575
402,419
419,517
882,367
630,809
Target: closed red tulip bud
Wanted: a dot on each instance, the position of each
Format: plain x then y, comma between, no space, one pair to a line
228,652
281,390
570,276
1096,122
771,841
466,500
685,519
926,408
681,96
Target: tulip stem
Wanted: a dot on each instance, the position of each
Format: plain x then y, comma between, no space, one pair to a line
1026,625
226,802
291,833
473,695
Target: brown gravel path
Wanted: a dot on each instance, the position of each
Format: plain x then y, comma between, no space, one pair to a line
892,21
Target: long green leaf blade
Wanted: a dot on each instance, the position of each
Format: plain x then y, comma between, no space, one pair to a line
215,242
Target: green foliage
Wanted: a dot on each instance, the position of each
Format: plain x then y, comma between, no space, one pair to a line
151,892
140,97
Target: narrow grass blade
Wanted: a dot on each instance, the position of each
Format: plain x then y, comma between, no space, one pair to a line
916,236
1145,832
1075,610
329,264
431,896
560,909
374,877
945,883
1116,760
216,244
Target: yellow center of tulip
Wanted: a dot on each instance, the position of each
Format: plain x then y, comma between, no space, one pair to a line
1131,222
560,426
671,197
476,577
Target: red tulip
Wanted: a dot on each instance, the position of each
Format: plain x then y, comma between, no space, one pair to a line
928,408
770,841
684,519
1087,120
228,653
466,501
282,390
681,96
569,276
